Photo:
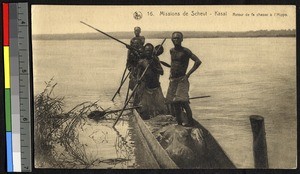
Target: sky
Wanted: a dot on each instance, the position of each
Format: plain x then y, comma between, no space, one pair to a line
62,19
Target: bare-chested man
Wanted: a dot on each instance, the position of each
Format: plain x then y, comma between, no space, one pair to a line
137,33
179,84
133,56
152,99
132,60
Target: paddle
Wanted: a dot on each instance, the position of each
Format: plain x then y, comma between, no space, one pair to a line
165,64
98,115
158,50
205,96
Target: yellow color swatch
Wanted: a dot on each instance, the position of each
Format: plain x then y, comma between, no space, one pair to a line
6,67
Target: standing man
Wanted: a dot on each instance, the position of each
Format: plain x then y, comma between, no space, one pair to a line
134,56
178,91
151,96
137,33
132,60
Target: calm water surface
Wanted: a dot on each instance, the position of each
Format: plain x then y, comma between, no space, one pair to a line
243,76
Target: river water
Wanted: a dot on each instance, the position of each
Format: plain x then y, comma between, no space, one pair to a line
243,76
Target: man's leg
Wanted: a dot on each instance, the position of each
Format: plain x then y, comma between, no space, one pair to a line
177,109
171,109
189,113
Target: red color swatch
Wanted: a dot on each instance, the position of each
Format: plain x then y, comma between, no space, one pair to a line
5,24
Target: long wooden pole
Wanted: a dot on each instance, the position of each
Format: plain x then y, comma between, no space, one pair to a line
127,93
123,75
118,90
127,45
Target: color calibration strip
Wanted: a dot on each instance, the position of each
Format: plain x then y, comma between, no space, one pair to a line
17,87
7,95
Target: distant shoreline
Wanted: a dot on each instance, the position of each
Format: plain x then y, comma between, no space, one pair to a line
163,34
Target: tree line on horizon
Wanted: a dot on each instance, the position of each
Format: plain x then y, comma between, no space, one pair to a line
163,34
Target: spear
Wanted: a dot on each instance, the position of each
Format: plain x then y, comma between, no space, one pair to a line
127,45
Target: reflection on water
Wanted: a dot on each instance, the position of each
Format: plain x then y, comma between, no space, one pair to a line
123,147
111,147
101,146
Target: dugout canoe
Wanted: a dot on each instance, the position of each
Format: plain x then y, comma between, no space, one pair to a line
159,157
216,157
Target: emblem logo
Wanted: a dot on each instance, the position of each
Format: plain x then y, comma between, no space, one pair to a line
137,15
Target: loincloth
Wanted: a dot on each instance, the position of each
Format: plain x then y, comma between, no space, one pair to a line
138,93
152,102
178,90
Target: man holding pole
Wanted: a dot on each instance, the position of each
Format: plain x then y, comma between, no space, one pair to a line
138,43
178,90
135,87
151,96
132,59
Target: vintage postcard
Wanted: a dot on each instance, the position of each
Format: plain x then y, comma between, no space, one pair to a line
163,87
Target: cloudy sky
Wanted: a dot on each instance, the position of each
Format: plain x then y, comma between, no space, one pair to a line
59,19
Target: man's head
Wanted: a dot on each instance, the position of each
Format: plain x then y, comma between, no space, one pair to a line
149,49
135,42
137,31
177,38
159,49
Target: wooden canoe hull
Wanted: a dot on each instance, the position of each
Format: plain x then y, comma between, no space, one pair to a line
216,157
160,155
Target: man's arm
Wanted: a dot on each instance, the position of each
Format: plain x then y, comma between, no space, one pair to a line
158,67
129,60
197,63
143,40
